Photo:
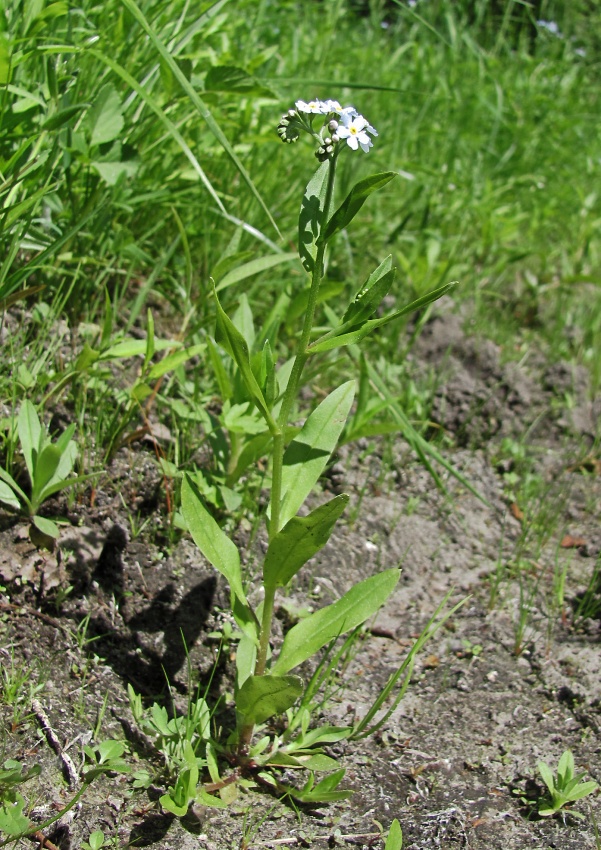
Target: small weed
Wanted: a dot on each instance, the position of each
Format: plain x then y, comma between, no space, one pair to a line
564,788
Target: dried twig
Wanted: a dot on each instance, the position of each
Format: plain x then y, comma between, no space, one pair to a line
42,718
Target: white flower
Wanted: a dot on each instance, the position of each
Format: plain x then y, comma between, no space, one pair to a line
333,106
353,130
316,107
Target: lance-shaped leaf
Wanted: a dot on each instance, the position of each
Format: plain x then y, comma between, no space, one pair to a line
228,336
261,697
342,335
307,455
299,540
311,216
353,202
212,541
30,433
357,605
370,296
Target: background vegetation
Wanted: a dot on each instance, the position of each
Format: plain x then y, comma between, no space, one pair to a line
139,161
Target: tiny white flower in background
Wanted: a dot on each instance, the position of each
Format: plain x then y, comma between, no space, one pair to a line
316,107
353,130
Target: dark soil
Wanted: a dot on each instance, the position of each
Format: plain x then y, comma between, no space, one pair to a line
513,677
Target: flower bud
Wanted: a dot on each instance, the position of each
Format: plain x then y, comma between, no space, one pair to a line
333,126
327,141
335,139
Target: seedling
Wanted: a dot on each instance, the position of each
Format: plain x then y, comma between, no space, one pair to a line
49,466
564,788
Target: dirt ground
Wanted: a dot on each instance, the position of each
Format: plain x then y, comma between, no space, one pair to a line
511,679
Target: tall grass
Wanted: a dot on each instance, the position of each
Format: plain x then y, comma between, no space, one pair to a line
138,158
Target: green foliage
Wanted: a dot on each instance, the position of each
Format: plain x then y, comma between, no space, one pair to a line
49,466
563,788
13,820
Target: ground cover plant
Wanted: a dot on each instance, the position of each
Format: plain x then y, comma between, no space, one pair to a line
152,378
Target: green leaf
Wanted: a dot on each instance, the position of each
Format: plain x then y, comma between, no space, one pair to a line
173,361
583,790
370,296
299,540
261,697
323,792
63,116
344,334
547,775
394,840
12,819
8,479
45,468
198,103
229,78
307,455
30,435
357,605
8,497
311,216
565,768
230,338
212,541
254,267
105,118
135,347
46,526
354,201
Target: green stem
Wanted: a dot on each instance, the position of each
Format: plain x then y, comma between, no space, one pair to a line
318,269
247,729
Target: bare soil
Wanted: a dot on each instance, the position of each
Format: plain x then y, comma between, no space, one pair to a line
513,678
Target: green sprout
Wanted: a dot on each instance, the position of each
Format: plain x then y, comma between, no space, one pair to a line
565,788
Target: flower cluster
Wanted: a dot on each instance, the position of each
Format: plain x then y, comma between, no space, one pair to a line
341,123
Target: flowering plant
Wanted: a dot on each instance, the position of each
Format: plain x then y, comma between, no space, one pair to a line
267,680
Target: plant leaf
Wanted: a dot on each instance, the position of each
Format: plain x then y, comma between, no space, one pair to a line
254,267
230,78
261,697
46,526
394,840
583,790
230,338
547,775
315,631
370,296
311,216
106,120
45,469
30,434
354,201
8,496
307,455
299,540
212,541
346,334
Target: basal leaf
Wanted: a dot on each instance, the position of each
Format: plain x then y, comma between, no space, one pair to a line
394,840
261,697
318,629
212,541
354,201
311,215
8,497
45,468
299,540
307,455
30,434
